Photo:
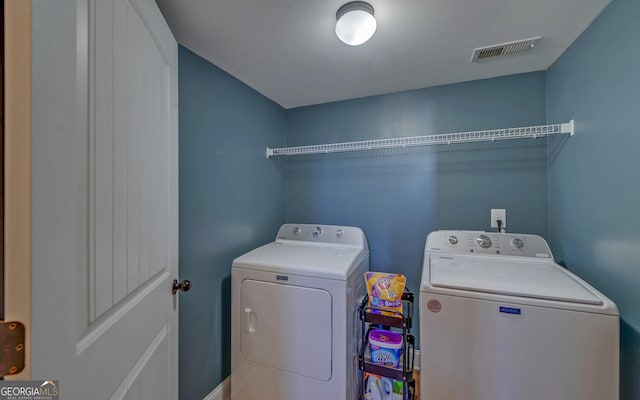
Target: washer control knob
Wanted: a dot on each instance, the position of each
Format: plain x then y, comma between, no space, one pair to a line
339,233
297,230
517,243
453,239
316,232
484,241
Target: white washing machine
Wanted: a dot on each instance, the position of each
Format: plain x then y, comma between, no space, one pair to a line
500,320
294,330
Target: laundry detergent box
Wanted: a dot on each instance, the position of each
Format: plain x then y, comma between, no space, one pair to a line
386,347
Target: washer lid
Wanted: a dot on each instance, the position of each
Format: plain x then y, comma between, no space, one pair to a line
304,258
539,280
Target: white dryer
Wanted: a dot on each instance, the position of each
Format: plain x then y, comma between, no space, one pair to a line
500,320
294,330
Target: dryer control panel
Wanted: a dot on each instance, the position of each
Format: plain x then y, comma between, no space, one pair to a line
487,243
346,235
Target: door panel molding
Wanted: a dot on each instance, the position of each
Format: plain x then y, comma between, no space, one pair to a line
150,16
129,381
111,317
129,145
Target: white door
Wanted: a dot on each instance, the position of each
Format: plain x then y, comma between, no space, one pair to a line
105,199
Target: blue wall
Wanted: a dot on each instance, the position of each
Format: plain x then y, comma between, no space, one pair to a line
398,196
231,200
594,185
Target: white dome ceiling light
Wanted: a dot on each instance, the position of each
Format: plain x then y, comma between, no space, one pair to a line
356,23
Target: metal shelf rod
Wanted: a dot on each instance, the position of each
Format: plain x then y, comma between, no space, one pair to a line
528,132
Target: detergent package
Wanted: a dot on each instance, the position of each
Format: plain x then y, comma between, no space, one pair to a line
385,291
386,347
378,387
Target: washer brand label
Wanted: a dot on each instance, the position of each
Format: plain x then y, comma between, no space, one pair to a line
434,306
282,277
510,310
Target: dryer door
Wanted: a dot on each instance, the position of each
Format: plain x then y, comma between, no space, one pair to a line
287,327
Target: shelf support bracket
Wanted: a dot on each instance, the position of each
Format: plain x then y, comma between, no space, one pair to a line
569,127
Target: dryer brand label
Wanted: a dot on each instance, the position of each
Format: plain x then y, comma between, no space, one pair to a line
510,310
434,306
282,277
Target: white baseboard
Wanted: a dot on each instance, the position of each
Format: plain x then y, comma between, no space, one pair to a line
222,392
416,360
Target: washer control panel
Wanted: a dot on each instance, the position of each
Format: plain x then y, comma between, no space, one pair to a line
489,243
347,235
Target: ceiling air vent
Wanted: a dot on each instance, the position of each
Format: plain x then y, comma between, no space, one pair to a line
505,49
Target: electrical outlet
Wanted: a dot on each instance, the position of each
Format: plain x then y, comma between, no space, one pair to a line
498,214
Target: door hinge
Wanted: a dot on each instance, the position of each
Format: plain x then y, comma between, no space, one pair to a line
11,347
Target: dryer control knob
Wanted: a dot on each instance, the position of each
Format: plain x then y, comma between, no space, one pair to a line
339,233
316,232
296,230
517,243
453,239
484,241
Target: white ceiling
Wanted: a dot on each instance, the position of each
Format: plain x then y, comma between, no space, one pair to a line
288,50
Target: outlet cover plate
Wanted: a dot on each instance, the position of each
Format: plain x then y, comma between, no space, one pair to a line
496,214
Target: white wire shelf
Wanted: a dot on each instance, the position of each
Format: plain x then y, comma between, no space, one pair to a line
528,132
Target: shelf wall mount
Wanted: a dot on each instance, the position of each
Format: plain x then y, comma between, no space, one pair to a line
492,135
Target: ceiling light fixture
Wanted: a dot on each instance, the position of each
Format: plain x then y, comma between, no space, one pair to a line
356,23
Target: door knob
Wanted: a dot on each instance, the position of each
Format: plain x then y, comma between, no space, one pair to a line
185,286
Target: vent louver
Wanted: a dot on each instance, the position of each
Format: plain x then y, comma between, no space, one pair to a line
505,49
